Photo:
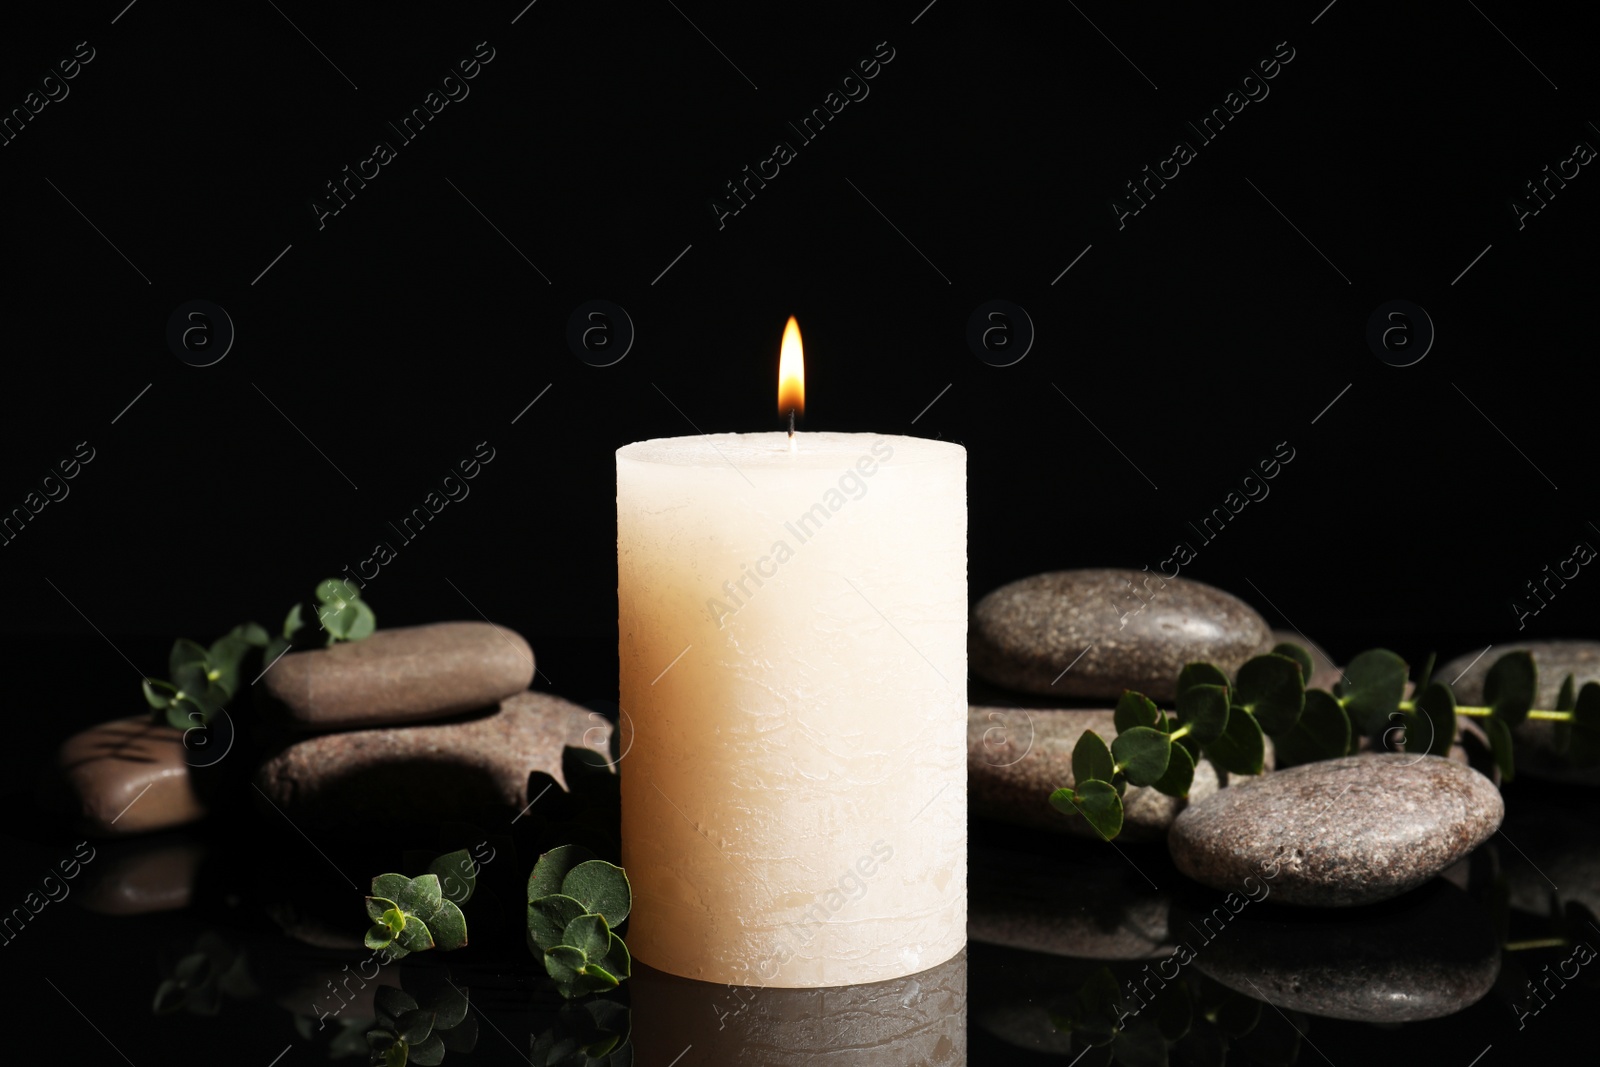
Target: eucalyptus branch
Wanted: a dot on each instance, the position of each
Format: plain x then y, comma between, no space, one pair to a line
1226,722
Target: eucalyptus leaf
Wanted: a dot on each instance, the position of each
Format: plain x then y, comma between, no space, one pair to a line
1426,677
589,933
421,896
414,936
1143,753
548,917
1301,657
1373,685
1436,713
1323,732
379,936
565,963
1194,674
1098,802
1271,688
1140,1044
1241,749
552,867
414,1026
428,1052
1179,775
1501,745
1511,686
458,875
1135,709
602,889
617,960
1566,700
331,590
376,906
448,926
1091,759
185,653
1583,748
158,694
1204,709
393,1001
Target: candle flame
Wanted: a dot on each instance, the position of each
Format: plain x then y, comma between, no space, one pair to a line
791,373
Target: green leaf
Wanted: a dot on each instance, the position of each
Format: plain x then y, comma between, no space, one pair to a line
589,933
1194,674
601,888
421,895
616,960
415,935
185,653
379,936
448,926
565,963
390,886
1432,728
1323,732
393,1002
1091,759
414,1026
330,590
1241,749
1584,746
1204,708
1098,802
548,917
1301,657
1511,686
294,622
158,694
377,906
1567,699
1426,676
364,624
1500,744
1179,775
1142,753
458,875
552,867
1373,685
1271,688
1135,709
428,1052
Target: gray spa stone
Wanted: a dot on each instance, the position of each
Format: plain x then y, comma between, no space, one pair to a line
1115,629
1339,832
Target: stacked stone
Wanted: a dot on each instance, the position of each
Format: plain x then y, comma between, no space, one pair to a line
433,723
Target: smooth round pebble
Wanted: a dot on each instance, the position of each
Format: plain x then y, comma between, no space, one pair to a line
1338,832
1095,632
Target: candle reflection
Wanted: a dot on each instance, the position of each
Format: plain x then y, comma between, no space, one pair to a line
918,1019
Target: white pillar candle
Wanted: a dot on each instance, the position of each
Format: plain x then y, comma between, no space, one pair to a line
793,622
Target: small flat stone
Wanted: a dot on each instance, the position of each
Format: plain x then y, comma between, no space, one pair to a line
129,776
1017,757
1339,832
458,771
406,674
1427,957
1535,739
1094,633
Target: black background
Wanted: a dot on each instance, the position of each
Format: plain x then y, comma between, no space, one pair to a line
413,326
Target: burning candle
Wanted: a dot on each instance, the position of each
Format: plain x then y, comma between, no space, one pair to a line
792,617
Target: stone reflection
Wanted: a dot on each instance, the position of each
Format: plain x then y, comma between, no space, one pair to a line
1017,899
1426,955
920,1019
144,877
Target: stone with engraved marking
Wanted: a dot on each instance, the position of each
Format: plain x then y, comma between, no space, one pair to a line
129,776
467,770
1338,832
1095,632
405,674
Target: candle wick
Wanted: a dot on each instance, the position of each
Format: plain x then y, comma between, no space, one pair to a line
791,422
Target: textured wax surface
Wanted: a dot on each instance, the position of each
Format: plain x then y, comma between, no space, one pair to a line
793,665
